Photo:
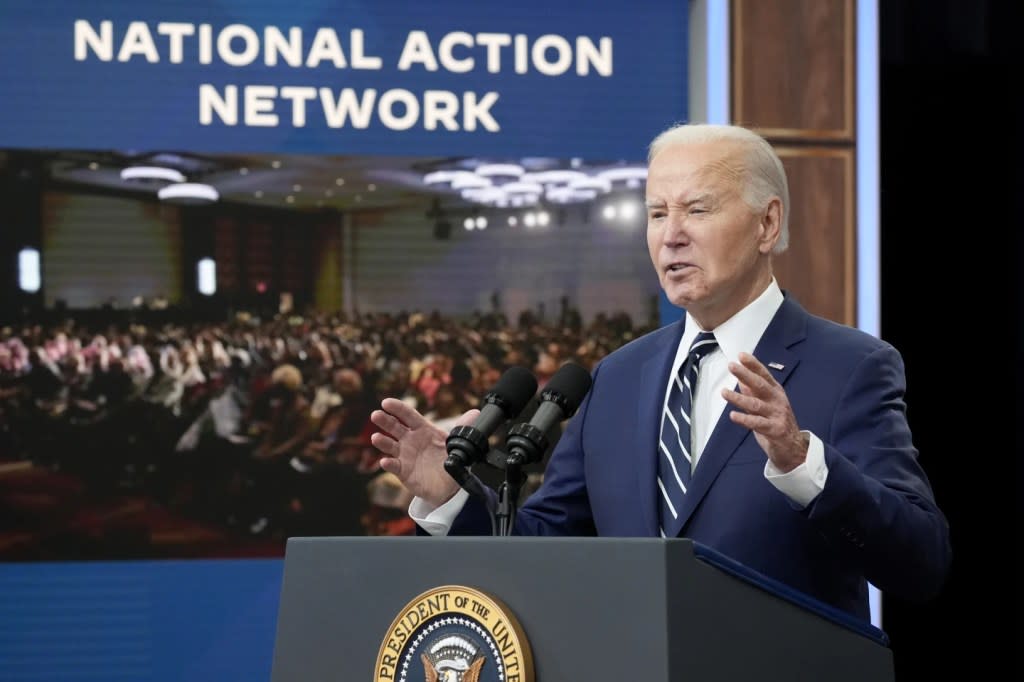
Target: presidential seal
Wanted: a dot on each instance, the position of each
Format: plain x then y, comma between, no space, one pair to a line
454,634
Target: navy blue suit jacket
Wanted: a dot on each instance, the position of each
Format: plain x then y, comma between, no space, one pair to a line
876,519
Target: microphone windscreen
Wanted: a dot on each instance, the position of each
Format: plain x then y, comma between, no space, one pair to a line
572,382
514,390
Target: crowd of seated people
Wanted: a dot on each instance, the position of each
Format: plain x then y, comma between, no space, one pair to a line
262,426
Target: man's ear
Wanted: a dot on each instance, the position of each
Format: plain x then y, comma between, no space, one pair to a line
770,226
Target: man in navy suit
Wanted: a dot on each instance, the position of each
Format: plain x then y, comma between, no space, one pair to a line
791,451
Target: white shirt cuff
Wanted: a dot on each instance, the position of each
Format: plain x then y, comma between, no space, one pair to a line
437,521
806,481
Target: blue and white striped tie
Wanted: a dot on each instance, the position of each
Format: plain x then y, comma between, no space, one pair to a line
675,451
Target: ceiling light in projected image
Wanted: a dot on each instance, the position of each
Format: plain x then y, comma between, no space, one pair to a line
529,182
155,175
188,193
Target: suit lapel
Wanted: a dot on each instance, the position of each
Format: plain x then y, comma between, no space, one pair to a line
786,328
653,384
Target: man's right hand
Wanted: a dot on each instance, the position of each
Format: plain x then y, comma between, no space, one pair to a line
414,450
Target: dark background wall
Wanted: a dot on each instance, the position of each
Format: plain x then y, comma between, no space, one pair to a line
951,183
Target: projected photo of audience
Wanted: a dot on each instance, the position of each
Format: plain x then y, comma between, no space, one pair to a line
193,344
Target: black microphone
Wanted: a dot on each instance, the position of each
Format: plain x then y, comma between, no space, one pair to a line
467,445
560,398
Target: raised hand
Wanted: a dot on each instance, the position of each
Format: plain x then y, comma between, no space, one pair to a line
763,407
414,449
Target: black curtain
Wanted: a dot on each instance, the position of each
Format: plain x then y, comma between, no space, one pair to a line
951,256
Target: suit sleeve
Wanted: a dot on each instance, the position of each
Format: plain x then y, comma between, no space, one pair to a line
877,507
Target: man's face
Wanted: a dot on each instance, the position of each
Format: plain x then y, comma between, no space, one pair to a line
709,248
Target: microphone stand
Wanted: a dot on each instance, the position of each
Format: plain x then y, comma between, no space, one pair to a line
508,494
526,443
468,444
469,482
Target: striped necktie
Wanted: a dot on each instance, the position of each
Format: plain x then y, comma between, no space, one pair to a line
675,451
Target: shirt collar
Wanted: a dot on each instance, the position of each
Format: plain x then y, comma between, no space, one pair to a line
741,332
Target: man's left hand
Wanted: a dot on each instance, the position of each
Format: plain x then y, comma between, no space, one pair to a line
763,407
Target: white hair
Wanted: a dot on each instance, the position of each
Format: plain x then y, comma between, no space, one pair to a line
763,175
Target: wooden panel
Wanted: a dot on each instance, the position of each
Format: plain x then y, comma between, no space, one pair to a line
819,267
259,255
294,249
226,249
793,67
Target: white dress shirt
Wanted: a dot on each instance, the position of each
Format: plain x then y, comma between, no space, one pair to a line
739,334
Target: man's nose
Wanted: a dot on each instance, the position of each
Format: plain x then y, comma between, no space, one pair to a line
675,232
